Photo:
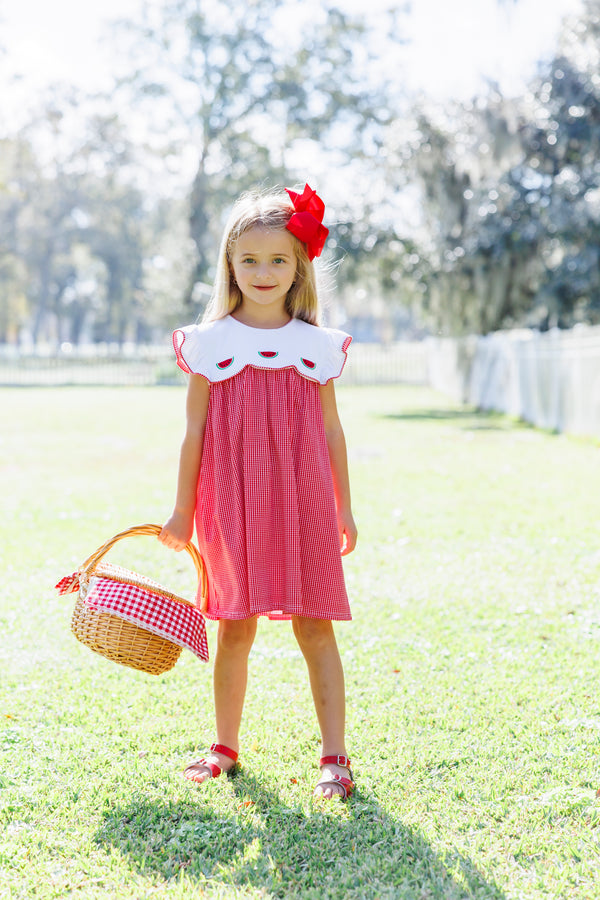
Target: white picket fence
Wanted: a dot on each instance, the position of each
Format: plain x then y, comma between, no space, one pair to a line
551,379
402,362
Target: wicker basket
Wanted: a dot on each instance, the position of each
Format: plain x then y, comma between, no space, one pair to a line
115,638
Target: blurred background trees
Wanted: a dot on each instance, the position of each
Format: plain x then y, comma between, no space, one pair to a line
510,196
459,219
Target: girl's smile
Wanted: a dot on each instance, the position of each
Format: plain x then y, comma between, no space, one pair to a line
264,266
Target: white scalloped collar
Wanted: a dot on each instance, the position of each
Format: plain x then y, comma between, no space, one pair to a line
220,349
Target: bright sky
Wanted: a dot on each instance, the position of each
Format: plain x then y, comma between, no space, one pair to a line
456,43
453,42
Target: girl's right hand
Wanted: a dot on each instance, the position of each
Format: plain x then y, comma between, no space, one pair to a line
177,531
347,531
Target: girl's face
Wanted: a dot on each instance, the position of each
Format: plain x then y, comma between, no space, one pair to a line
264,266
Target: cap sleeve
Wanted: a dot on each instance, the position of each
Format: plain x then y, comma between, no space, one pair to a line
339,342
192,349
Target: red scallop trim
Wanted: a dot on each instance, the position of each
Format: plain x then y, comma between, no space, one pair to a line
178,342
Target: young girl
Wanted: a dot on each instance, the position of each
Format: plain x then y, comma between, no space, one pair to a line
263,467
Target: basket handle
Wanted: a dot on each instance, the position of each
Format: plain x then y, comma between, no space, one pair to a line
92,561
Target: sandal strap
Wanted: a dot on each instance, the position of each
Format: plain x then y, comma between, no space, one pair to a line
340,760
224,751
213,768
346,784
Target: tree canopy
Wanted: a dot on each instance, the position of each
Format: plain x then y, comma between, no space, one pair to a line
466,218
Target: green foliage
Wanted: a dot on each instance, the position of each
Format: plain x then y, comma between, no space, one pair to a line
80,237
269,86
511,198
474,217
261,93
471,670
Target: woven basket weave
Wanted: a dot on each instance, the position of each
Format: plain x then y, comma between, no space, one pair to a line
115,638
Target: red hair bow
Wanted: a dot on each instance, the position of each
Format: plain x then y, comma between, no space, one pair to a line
305,223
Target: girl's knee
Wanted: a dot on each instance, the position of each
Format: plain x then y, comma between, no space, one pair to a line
313,632
236,634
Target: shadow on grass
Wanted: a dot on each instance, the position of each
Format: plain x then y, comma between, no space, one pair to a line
356,851
475,418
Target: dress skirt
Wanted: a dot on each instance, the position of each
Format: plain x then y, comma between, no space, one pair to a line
266,519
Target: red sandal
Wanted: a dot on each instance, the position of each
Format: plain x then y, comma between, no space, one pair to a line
346,784
213,768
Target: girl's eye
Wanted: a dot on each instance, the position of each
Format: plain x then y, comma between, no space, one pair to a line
248,259
278,259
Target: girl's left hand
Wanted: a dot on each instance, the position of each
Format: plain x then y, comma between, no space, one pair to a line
177,532
347,531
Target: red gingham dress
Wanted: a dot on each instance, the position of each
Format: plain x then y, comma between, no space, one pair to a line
265,513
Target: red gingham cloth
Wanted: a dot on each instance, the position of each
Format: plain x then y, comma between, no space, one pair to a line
265,515
177,622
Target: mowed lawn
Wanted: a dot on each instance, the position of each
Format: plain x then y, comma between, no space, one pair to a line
472,667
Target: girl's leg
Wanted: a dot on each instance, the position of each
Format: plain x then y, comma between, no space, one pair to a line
317,642
234,642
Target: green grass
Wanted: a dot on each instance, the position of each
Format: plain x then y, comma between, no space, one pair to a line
472,669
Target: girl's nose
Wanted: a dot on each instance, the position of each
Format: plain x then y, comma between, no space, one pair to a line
263,270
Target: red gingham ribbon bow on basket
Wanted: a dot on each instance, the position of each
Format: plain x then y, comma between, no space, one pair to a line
306,221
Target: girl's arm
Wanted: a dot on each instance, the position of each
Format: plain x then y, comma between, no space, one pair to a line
338,458
179,528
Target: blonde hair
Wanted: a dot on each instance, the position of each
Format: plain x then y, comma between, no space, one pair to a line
271,210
